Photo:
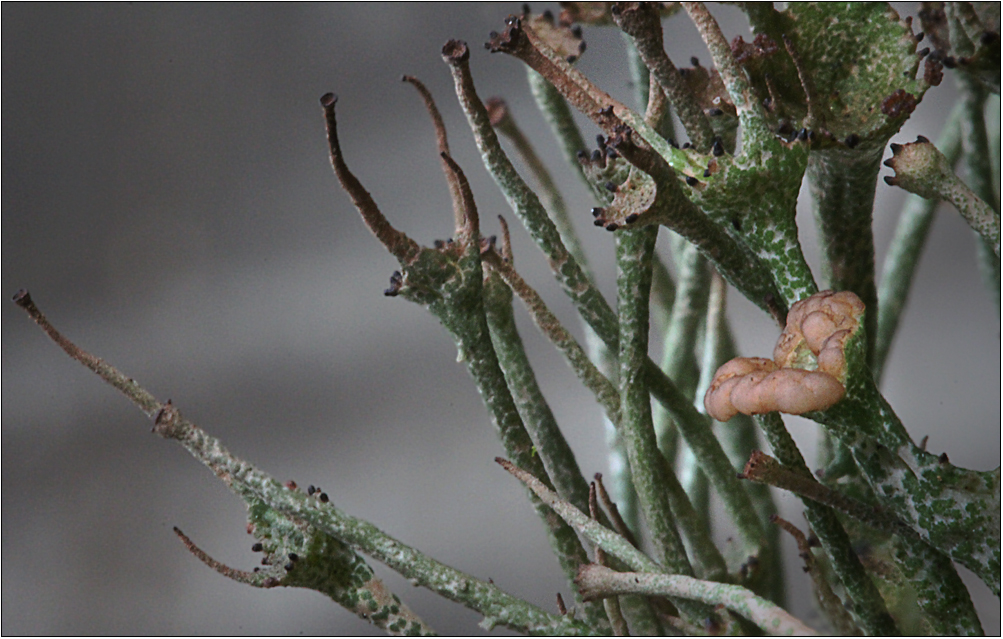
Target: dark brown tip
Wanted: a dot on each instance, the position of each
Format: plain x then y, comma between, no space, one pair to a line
455,51
22,298
327,100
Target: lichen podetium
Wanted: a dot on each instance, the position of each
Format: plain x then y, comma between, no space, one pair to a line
817,94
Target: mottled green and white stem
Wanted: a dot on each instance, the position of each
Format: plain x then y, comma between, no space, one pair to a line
597,581
525,203
678,355
696,432
634,254
975,142
738,437
558,115
642,23
505,124
705,555
498,607
842,184
449,283
551,446
562,123
604,390
868,604
169,423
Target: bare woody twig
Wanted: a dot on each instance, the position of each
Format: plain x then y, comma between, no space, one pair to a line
443,144
598,581
830,604
400,246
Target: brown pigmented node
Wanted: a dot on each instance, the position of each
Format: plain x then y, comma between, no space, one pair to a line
817,331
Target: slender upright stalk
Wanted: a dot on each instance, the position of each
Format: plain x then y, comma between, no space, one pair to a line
867,601
634,254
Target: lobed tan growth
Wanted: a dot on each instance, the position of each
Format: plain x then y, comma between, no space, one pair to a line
808,366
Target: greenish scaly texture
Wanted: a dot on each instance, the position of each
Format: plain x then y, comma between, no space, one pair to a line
634,254
550,443
558,115
867,603
842,185
452,290
527,207
678,355
858,55
498,607
755,194
551,446
738,439
956,510
906,246
327,565
830,41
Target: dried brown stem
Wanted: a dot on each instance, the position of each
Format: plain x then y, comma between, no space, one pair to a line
506,242
767,470
144,400
469,229
827,600
400,245
257,580
619,525
594,513
442,142
521,41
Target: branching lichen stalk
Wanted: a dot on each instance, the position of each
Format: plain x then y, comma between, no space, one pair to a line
906,247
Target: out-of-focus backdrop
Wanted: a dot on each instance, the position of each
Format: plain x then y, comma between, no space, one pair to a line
167,199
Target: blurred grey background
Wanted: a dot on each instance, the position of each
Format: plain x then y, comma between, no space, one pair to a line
167,199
